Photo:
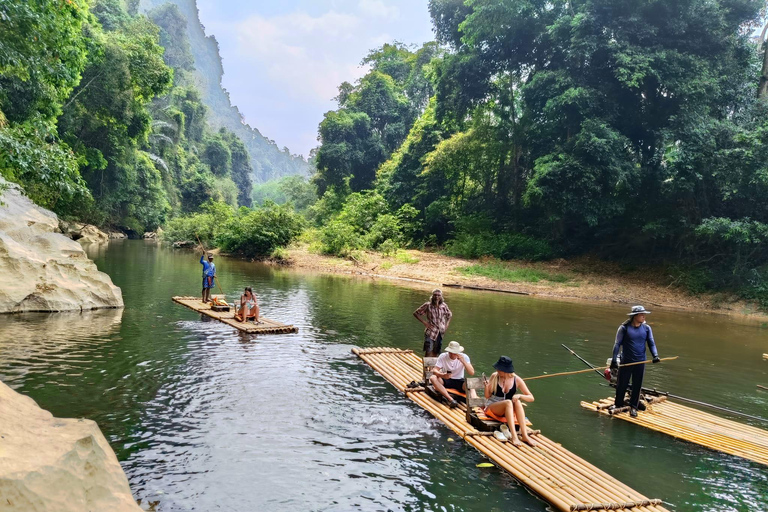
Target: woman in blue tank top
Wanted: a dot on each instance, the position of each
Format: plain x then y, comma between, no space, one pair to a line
502,398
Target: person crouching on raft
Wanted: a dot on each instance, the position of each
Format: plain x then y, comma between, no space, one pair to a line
249,308
631,339
448,372
504,394
209,275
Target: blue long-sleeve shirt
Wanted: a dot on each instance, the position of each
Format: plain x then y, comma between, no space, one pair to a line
631,341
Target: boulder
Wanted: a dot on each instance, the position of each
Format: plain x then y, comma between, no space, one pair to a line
149,235
117,235
83,233
50,464
184,244
43,270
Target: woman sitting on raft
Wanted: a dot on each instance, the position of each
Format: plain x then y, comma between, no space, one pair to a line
249,308
503,399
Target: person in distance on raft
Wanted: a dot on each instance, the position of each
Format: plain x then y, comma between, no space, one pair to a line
436,319
249,308
631,339
504,394
448,372
209,275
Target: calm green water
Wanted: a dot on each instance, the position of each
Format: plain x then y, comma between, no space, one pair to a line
205,419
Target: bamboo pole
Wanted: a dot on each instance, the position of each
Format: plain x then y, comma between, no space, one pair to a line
596,368
762,387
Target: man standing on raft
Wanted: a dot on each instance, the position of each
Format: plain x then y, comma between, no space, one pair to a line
437,317
209,275
631,339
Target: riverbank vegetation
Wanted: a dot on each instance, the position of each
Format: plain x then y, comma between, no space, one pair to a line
101,119
527,131
629,131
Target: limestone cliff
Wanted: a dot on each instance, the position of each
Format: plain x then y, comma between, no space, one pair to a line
42,270
51,464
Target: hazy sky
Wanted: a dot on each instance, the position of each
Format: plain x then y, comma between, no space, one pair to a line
284,59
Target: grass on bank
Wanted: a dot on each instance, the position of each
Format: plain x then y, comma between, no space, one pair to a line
500,271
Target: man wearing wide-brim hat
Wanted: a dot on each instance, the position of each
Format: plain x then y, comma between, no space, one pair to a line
448,372
632,337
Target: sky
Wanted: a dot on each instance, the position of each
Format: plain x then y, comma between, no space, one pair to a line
284,59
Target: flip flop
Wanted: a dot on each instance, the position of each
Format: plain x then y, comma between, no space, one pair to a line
500,436
504,429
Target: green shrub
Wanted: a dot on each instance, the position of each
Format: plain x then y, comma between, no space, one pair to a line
339,238
504,246
256,233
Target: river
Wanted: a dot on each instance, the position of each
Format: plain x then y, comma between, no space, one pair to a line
205,419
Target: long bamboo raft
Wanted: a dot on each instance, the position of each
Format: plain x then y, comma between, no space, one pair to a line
566,481
696,426
266,326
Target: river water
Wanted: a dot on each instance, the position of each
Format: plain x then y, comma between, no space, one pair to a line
203,418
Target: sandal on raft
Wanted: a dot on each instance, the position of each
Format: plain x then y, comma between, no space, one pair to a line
504,429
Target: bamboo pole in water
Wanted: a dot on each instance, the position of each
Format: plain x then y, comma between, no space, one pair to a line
566,481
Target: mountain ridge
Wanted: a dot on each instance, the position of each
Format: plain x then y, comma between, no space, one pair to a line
267,159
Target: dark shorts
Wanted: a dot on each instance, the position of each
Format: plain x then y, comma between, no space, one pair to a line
433,346
457,384
207,284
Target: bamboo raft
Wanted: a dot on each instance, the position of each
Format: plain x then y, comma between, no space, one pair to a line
266,326
765,356
560,477
696,426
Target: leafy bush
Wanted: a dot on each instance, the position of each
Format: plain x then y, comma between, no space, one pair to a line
258,232
504,246
339,238
206,224
365,222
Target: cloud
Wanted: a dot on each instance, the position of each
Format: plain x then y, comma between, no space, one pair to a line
306,55
377,9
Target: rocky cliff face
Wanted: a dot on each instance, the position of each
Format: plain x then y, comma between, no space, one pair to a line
52,464
42,270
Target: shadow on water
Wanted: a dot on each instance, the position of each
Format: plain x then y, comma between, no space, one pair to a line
205,418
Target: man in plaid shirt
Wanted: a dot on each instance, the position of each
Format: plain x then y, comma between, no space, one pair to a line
436,317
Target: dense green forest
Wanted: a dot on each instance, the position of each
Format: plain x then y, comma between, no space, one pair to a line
633,131
629,130
100,120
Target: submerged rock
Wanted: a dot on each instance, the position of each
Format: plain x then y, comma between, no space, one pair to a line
53,464
43,270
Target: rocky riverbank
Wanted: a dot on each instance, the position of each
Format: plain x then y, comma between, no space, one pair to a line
53,464
43,270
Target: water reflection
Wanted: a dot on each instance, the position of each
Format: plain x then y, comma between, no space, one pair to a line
206,418
31,342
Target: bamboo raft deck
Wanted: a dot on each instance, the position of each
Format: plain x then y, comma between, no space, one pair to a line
266,326
696,426
560,477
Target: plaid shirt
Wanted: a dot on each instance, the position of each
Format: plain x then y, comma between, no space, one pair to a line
437,316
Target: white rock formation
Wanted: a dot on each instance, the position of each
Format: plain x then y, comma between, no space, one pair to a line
41,270
50,464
